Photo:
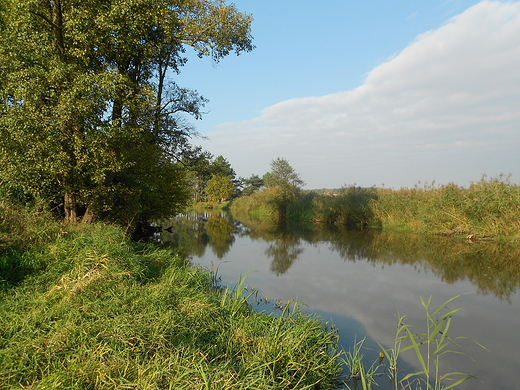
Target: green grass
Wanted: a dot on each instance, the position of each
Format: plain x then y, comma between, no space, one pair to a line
85,308
100,312
429,347
489,208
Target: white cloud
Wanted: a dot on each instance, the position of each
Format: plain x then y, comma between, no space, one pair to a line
447,108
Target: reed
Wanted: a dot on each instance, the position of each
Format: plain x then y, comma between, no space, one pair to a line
487,209
428,347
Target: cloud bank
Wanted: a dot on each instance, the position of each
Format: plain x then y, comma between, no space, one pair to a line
446,108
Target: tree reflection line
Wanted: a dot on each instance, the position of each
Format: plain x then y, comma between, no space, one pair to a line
492,267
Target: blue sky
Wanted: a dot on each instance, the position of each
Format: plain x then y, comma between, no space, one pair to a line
374,93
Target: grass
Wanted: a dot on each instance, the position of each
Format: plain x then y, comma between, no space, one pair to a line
85,308
22,227
428,347
100,312
487,209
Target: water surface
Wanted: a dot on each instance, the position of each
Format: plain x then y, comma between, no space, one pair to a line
360,281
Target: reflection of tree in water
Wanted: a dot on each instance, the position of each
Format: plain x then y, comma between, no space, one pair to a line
220,229
187,235
492,267
284,252
191,233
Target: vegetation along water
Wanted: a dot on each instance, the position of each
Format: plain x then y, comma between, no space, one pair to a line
364,281
96,148
85,308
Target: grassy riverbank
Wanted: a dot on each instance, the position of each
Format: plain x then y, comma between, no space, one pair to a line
85,308
489,208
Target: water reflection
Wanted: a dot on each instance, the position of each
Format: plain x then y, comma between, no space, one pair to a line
360,280
283,251
220,229
491,267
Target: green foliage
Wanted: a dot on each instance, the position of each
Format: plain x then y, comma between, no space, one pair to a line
89,118
251,185
108,314
285,184
488,208
211,179
282,175
351,207
428,347
260,205
219,188
23,227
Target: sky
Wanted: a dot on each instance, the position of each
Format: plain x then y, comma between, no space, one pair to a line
371,93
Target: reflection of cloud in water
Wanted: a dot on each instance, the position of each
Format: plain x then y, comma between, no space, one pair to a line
373,295
362,281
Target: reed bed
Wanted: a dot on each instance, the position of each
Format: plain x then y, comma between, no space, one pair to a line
487,209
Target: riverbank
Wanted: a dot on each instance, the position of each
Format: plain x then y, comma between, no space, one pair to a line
85,308
487,209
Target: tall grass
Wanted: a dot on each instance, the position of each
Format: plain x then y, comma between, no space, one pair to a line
487,209
428,347
350,207
105,313
23,227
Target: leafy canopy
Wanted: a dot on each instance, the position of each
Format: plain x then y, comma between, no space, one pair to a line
90,117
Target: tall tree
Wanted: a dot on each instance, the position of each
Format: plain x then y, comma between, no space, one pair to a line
282,174
251,184
287,183
89,113
220,188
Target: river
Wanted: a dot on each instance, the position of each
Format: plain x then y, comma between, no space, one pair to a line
361,280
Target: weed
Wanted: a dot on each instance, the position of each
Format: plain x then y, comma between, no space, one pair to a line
428,348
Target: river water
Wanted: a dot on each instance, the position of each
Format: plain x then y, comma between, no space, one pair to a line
361,280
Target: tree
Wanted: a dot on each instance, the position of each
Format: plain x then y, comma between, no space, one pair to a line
221,166
251,185
287,183
198,163
89,115
282,174
220,188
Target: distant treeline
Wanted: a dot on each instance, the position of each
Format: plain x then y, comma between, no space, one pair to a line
489,208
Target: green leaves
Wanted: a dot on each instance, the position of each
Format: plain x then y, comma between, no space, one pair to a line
87,109
219,188
428,348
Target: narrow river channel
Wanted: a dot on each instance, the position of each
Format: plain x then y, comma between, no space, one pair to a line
360,281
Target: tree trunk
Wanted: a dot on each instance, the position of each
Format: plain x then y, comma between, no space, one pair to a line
93,210
90,215
70,207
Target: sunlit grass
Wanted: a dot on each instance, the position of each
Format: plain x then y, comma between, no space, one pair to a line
487,209
104,313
